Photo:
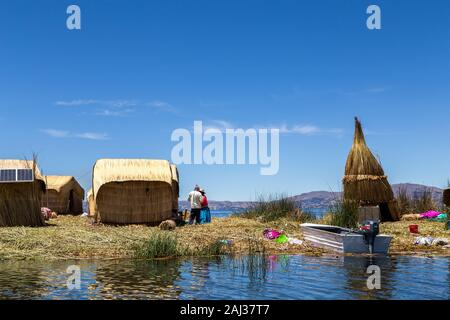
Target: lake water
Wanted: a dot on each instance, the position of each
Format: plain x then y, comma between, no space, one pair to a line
318,212
247,277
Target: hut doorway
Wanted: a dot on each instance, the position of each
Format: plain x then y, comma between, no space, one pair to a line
71,202
385,212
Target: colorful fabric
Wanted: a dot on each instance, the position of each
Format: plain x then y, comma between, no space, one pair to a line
429,214
271,234
282,238
204,202
205,215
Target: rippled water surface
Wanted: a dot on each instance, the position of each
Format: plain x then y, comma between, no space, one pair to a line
249,277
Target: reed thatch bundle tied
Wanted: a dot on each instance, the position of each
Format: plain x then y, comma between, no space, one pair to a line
446,197
64,194
175,187
20,202
91,202
133,190
364,180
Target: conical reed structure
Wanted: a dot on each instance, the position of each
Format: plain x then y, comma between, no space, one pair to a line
365,181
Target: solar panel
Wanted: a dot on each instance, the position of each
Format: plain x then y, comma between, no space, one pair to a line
8,175
16,175
25,175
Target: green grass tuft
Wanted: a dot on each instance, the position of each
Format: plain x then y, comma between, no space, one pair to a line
344,213
158,245
273,208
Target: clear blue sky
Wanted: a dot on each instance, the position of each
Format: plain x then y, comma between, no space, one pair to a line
137,70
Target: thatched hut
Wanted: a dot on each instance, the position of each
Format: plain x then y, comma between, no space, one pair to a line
446,197
21,190
365,181
132,191
175,187
64,195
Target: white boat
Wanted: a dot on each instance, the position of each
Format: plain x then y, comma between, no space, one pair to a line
343,240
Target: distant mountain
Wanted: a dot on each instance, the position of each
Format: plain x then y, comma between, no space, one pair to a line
414,190
316,199
320,199
222,205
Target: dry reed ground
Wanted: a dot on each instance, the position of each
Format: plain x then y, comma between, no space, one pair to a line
74,237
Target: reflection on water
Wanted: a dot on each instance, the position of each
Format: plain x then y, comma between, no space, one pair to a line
248,277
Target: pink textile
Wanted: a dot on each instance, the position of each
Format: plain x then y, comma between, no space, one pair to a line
429,214
271,234
46,213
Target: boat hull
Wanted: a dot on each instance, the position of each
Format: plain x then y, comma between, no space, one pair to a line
342,240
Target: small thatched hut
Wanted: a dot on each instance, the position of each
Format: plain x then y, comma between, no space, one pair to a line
132,191
21,190
364,179
175,187
446,197
64,195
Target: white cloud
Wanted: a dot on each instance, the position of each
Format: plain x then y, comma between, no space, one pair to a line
75,103
307,130
298,92
114,113
376,90
218,125
56,133
162,106
87,102
92,136
117,108
67,134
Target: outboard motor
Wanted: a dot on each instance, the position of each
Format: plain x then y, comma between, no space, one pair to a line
370,230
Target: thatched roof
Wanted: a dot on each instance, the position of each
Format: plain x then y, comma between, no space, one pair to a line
364,179
22,164
174,170
61,183
121,170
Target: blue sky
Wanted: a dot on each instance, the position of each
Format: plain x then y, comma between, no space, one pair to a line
137,70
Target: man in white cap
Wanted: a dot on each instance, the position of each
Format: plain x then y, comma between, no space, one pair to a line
195,198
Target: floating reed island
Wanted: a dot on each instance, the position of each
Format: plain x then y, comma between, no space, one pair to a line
130,196
22,188
75,237
64,195
365,182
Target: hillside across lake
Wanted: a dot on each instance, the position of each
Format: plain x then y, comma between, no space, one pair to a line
321,199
